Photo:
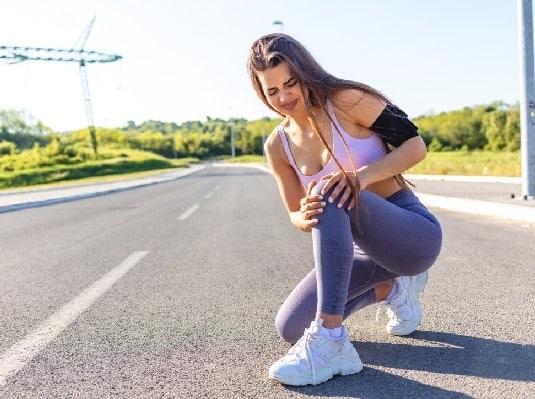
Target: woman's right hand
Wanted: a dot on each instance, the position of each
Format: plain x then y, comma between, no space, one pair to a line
310,206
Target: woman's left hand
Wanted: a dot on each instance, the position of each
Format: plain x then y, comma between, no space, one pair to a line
342,188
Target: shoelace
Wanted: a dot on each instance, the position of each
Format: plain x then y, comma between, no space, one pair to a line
311,335
391,308
305,342
385,307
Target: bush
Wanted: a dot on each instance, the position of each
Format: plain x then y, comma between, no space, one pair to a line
7,148
115,164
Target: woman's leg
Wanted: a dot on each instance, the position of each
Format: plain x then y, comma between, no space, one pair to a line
401,236
399,233
299,309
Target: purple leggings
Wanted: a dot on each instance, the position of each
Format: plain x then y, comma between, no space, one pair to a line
398,237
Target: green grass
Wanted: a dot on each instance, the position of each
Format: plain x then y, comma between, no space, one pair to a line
126,164
132,164
247,159
476,163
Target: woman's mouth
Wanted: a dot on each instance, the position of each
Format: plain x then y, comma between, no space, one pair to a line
289,106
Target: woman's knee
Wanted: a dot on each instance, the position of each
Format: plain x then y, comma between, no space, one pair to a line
288,329
316,190
331,206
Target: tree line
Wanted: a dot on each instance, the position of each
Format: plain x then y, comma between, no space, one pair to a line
493,127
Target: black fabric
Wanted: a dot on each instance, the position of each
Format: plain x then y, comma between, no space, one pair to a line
393,126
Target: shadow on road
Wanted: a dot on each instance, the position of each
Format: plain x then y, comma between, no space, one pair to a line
456,354
443,353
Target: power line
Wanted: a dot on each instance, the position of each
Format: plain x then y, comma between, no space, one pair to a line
80,56
20,54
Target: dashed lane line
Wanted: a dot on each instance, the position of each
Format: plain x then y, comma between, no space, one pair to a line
188,213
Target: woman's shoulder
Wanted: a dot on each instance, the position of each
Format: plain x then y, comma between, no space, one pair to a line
273,141
274,148
347,98
358,106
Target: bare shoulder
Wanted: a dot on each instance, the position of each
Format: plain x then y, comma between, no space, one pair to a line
273,142
274,149
358,106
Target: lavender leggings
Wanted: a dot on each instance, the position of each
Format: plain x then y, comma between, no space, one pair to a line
398,236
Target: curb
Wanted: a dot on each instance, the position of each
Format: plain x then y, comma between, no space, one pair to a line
518,213
79,193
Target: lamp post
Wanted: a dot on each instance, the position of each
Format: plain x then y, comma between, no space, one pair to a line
527,98
232,141
281,24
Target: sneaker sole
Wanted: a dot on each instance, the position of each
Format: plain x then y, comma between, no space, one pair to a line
346,367
323,377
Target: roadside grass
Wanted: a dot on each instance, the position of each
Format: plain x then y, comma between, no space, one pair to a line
131,164
474,163
246,159
127,164
465,163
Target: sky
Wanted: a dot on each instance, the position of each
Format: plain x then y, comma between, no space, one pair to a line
186,60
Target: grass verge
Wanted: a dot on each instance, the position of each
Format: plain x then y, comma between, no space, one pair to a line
103,170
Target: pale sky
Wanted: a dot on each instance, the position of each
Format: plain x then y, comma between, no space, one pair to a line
185,60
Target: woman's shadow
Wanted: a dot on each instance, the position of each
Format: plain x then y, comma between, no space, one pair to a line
436,352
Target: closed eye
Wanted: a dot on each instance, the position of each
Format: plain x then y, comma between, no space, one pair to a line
289,83
292,82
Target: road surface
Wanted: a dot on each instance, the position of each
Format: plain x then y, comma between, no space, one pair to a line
170,291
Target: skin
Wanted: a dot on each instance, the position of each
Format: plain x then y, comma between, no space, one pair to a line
356,111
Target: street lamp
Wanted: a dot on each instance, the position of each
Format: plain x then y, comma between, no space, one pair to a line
281,25
527,99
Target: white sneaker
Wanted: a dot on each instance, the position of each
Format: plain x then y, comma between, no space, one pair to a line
316,358
404,310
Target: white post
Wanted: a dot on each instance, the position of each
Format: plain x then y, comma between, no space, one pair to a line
527,97
232,141
264,138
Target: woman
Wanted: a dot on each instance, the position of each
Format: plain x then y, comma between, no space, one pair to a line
337,159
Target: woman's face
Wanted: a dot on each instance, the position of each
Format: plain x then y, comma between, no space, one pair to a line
282,90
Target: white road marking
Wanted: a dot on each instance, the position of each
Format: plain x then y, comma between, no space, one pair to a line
209,195
188,213
16,357
464,205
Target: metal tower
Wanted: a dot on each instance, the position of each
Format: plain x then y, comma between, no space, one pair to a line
79,55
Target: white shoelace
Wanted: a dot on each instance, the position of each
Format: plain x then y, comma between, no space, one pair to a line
305,342
384,308
391,307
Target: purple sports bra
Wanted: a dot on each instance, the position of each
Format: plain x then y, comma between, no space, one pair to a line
363,151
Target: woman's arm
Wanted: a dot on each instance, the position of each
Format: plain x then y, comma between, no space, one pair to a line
300,204
365,109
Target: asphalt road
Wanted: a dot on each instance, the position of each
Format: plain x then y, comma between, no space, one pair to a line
170,291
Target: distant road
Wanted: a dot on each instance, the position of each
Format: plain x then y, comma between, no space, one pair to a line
170,291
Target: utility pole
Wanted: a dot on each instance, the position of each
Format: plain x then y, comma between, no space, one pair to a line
527,97
79,55
233,140
281,24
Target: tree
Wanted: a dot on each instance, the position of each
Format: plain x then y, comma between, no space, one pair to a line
7,148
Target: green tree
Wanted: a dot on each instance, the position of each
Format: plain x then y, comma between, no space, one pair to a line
7,148
54,146
494,127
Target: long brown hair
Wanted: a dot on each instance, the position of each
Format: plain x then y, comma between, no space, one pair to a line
317,85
